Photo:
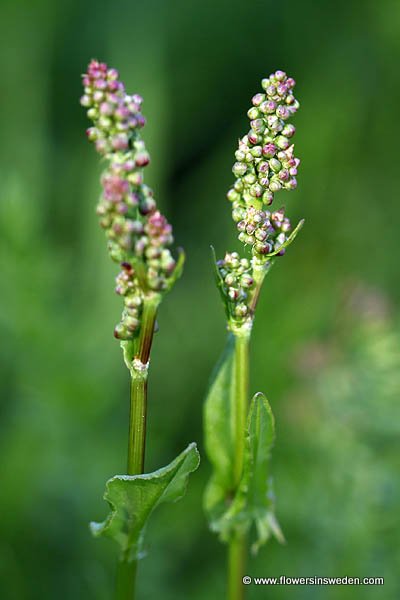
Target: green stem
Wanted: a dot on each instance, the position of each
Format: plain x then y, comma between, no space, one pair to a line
137,422
237,546
125,580
236,566
126,569
239,410
259,276
148,319
139,372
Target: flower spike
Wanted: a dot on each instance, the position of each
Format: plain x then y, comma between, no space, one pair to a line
139,236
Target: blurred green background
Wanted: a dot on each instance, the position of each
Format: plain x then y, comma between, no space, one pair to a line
326,340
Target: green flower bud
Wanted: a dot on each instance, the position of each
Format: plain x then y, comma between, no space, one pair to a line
257,125
240,155
275,165
246,280
131,323
121,332
239,185
239,169
256,190
275,185
282,142
268,197
250,178
241,310
253,113
238,213
256,151
232,195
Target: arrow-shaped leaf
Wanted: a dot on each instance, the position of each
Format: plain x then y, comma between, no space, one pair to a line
133,498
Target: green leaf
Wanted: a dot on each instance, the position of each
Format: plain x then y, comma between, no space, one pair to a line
133,498
217,274
289,240
177,272
219,439
221,285
253,503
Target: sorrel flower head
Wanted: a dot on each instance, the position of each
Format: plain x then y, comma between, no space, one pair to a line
265,164
138,236
265,156
114,113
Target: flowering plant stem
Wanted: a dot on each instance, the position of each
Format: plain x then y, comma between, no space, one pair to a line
139,237
126,571
139,375
137,424
125,580
240,403
239,409
236,567
239,434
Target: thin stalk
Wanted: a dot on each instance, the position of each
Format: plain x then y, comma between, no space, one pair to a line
259,276
126,569
137,422
242,343
125,580
139,373
236,567
148,319
237,546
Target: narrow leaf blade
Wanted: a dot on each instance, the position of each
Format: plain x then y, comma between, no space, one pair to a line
219,441
177,272
253,503
290,239
260,440
220,284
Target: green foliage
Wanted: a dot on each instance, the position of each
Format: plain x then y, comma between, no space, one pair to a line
177,272
254,502
231,511
60,427
133,498
219,281
218,430
289,240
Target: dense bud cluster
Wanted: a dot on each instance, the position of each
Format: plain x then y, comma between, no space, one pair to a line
128,287
151,246
263,230
114,113
237,282
265,161
265,164
127,211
